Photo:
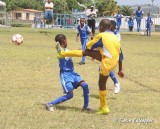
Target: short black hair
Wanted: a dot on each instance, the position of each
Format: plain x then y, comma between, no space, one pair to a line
113,23
60,37
106,23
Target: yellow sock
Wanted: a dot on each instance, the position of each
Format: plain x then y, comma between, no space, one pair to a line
103,99
72,53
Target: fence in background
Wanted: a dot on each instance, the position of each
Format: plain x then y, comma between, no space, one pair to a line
67,21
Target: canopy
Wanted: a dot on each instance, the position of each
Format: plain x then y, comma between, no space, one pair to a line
2,3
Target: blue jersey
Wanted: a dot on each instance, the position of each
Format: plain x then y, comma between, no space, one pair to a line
66,64
68,77
149,21
130,22
119,17
84,31
139,13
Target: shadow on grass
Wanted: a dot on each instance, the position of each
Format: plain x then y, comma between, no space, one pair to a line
71,108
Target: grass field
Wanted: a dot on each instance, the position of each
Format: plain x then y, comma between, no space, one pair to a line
29,78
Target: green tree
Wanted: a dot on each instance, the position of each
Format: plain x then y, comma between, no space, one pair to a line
111,8
126,10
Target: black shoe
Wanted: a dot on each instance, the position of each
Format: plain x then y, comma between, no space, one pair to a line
86,109
81,63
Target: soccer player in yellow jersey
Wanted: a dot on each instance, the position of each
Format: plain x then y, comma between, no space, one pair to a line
107,51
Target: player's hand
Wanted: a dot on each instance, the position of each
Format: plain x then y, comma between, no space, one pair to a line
91,37
120,74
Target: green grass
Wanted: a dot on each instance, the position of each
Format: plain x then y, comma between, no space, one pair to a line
29,78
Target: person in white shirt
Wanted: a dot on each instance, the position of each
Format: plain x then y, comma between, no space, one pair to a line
91,14
48,11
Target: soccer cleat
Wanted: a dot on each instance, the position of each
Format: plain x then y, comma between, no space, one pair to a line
86,109
116,88
81,63
50,107
103,111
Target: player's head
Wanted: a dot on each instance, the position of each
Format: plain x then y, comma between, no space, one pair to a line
148,14
82,21
139,7
119,11
61,38
92,7
104,25
113,25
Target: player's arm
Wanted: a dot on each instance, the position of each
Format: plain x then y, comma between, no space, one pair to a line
49,7
77,37
90,32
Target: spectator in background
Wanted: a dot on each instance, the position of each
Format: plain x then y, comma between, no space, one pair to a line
35,22
138,16
91,14
48,12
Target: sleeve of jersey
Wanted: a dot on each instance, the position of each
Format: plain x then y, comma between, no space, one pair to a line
95,43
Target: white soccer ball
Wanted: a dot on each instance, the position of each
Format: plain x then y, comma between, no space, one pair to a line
142,33
17,39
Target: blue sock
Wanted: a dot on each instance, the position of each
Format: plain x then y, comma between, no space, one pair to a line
61,99
85,94
113,77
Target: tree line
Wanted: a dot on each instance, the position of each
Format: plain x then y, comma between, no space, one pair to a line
105,7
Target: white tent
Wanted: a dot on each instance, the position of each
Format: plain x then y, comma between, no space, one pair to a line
2,3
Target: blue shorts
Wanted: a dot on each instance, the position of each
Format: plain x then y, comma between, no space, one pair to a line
48,14
70,81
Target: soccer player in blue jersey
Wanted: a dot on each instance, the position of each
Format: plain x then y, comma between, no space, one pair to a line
112,75
138,15
118,17
130,23
149,23
108,50
83,31
70,80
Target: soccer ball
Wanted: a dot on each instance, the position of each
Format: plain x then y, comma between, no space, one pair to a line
17,39
142,33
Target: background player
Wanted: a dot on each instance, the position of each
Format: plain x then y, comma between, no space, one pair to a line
83,31
70,80
118,17
149,23
138,15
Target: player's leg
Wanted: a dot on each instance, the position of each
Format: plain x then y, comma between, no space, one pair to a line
102,95
85,88
89,23
149,30
68,89
83,43
140,25
95,54
137,24
52,17
93,27
78,53
116,83
45,18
